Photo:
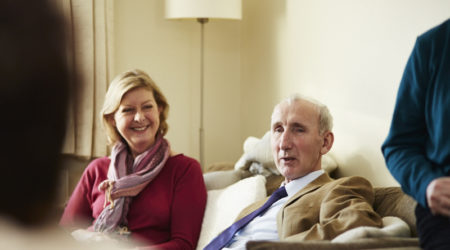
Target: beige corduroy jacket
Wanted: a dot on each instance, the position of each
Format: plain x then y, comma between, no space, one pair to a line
325,208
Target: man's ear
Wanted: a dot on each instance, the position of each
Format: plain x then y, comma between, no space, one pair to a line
328,139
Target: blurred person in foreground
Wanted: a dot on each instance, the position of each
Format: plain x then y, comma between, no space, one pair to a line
417,148
309,205
35,89
143,190
34,93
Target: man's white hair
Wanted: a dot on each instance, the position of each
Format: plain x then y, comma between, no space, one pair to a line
325,118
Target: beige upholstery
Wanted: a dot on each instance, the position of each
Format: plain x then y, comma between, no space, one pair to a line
391,201
385,243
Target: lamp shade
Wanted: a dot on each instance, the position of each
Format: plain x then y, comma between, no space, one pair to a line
226,9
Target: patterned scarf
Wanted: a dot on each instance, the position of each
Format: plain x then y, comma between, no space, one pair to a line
120,187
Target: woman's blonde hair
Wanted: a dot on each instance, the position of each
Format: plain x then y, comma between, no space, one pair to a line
121,85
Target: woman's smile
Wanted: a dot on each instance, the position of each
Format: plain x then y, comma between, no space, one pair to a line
137,119
140,128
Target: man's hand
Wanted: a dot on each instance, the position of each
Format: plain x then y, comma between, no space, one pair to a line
438,196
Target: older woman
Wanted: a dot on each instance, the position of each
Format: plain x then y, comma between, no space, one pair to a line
143,189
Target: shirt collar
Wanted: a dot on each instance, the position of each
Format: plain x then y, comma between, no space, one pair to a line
296,185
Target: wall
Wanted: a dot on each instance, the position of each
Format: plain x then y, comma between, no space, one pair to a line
349,54
169,51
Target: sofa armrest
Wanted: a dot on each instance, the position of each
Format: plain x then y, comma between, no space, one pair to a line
375,243
219,166
222,179
392,201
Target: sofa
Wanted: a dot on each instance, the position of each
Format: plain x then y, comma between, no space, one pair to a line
233,186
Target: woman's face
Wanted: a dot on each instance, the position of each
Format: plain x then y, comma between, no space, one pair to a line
137,119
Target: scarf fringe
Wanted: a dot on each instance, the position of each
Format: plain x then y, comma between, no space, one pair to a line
107,186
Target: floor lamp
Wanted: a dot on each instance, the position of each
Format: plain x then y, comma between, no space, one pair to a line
202,11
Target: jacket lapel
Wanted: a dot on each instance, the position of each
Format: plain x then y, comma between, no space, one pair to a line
315,184
312,186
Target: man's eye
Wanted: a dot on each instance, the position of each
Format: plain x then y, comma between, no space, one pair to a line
278,129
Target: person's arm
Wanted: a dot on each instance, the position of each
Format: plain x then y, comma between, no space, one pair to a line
187,212
347,205
404,148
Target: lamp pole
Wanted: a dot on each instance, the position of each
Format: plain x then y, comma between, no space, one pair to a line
202,22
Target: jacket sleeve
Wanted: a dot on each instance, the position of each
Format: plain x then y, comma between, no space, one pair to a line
345,205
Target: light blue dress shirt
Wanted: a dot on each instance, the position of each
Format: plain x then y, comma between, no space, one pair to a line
264,227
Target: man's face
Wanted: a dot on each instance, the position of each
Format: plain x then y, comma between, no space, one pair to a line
297,146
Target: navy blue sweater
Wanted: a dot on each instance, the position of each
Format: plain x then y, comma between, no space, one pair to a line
417,149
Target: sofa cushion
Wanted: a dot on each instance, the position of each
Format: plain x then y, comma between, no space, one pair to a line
224,205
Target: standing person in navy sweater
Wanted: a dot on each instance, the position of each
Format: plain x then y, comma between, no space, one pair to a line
143,190
417,149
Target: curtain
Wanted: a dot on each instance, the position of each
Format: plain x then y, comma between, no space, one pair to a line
90,29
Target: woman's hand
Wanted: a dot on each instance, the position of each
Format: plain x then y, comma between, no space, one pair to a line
438,196
90,236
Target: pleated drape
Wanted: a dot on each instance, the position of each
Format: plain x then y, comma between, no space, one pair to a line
90,29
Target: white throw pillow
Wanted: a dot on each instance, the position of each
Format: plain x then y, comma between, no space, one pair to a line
224,205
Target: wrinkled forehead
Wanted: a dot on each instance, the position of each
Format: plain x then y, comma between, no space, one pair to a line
295,111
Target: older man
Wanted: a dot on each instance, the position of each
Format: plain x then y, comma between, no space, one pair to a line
309,205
